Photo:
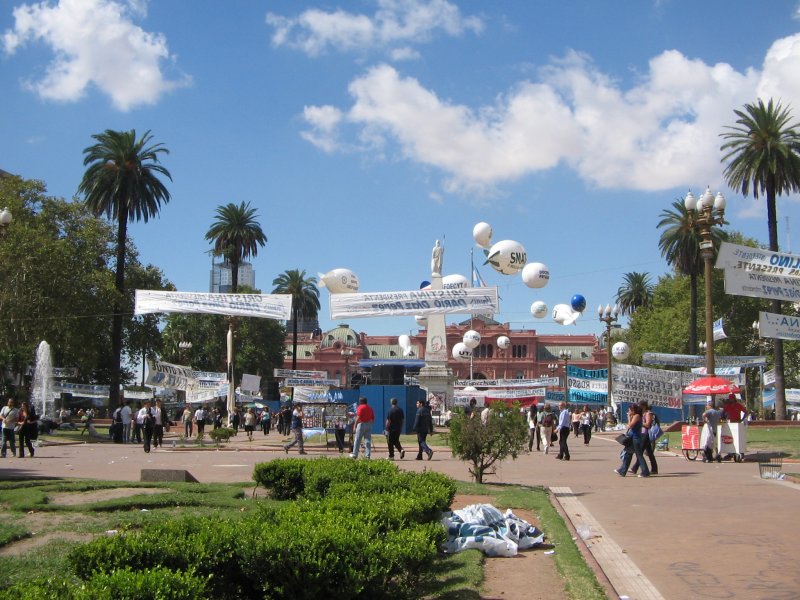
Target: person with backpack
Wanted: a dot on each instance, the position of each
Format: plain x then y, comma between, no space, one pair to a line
116,432
546,427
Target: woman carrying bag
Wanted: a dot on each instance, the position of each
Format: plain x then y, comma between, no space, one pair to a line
28,428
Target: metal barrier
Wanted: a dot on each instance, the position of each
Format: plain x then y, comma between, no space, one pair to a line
769,465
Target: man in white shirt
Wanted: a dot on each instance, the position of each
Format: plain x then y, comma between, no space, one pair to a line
125,413
564,427
9,415
145,420
200,417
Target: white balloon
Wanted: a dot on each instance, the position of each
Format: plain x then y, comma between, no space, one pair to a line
482,234
462,352
564,315
421,320
339,281
507,257
468,389
454,282
404,341
620,351
539,309
472,339
503,342
536,275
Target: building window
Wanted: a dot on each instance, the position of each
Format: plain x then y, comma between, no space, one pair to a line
519,351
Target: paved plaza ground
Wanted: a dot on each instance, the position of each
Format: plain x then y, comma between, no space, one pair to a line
694,531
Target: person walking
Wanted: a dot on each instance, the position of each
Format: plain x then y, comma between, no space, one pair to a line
708,437
145,420
249,423
186,419
533,426
200,416
546,421
9,415
160,422
564,427
423,425
586,425
266,420
296,427
635,432
127,416
394,427
648,420
575,416
365,417
28,422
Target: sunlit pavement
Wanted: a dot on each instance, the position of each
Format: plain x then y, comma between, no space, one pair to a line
694,531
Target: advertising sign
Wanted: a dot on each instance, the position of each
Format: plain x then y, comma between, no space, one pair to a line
736,256
753,284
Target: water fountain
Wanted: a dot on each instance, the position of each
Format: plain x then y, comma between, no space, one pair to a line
42,387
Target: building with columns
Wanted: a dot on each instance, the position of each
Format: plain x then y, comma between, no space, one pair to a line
343,353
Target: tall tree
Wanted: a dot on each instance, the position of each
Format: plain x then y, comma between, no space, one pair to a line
635,292
122,182
305,299
236,235
762,153
680,246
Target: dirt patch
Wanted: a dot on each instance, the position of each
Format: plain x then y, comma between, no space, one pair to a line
530,575
90,497
22,547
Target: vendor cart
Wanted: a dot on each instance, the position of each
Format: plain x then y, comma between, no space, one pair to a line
690,441
732,440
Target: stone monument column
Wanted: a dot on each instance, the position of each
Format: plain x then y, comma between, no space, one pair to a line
436,377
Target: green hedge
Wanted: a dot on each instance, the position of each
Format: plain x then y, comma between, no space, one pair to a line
354,530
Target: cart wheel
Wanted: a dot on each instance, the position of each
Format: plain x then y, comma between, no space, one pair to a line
738,458
691,454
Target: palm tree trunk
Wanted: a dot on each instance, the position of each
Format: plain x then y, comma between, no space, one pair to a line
116,326
294,338
234,275
777,345
693,313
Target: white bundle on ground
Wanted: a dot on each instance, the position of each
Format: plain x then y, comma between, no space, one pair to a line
484,527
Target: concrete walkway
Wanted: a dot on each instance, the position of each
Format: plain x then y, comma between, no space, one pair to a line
696,530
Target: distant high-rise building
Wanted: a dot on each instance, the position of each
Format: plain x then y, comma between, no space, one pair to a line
222,276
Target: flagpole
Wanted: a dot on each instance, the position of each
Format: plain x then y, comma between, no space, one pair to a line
471,316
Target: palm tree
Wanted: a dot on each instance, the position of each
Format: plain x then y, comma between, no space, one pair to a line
635,292
122,182
305,299
762,152
680,246
237,236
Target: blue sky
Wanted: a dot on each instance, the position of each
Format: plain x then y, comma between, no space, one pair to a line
365,130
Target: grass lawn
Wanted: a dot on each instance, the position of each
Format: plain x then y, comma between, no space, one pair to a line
52,516
785,440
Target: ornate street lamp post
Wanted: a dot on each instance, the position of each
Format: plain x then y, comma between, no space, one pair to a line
5,220
347,354
608,316
566,356
703,215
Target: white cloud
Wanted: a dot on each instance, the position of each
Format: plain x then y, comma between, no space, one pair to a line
94,43
394,22
661,132
405,53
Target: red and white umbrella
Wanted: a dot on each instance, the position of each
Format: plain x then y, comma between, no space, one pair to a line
711,386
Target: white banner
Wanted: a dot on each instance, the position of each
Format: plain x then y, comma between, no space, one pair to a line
311,382
782,327
284,373
267,306
529,393
412,303
741,282
769,378
167,375
505,383
659,387
756,260
250,383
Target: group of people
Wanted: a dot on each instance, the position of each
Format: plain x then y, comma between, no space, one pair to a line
638,443
363,422
731,411
22,423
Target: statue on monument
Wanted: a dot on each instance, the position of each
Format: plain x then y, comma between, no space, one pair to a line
436,260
